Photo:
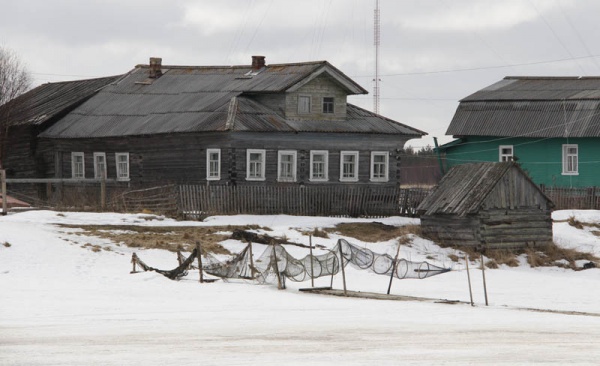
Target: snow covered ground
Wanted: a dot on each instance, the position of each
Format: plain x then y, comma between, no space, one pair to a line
64,304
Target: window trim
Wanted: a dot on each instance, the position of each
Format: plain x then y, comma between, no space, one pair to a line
355,177
332,105
565,159
309,104
73,155
118,169
294,155
209,152
311,177
96,175
263,153
386,154
501,155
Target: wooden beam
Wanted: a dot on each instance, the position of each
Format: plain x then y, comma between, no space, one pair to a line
3,191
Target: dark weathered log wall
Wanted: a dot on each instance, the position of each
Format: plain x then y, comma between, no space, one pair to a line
518,228
452,229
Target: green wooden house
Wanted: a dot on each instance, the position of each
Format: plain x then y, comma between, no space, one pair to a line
550,125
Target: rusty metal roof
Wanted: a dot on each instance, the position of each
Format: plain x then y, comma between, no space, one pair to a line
196,99
51,99
531,107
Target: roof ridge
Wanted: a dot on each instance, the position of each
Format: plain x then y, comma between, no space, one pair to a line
144,66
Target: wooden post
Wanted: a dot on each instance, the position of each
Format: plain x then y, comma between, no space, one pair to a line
469,279
251,259
133,261
342,267
312,271
199,256
276,268
484,285
332,272
179,259
394,268
3,191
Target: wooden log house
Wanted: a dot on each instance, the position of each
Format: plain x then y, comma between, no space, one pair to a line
487,206
252,125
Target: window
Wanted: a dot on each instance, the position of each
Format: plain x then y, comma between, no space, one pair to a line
319,161
328,105
379,166
77,165
505,152
213,164
255,164
570,160
349,166
286,167
99,165
122,162
303,104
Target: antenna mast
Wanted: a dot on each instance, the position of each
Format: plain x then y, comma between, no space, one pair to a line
376,43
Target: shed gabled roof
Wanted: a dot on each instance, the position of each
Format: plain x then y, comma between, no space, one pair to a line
49,100
531,107
203,99
465,187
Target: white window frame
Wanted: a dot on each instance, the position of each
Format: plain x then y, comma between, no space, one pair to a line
325,177
121,174
97,172
210,174
386,166
294,155
354,177
332,105
570,161
263,154
74,169
308,104
503,156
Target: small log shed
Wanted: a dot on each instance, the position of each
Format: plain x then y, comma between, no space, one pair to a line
487,206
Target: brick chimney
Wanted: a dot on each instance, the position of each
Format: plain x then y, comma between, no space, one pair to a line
155,70
258,62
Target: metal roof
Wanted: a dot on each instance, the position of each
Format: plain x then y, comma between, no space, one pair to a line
51,99
196,99
464,188
531,107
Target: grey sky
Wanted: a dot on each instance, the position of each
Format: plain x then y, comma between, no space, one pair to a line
433,52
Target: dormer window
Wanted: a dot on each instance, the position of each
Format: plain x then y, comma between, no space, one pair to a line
303,104
328,105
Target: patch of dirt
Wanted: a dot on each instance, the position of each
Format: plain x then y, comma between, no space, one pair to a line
172,238
374,232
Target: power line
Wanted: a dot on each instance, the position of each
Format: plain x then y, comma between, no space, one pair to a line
483,67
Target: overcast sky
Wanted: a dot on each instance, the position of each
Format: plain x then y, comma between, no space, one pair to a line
432,53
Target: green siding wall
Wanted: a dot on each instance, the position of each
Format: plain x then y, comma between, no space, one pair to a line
540,158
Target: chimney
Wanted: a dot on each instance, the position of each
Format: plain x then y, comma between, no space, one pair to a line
258,62
155,70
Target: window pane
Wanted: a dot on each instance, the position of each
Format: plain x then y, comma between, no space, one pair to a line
328,105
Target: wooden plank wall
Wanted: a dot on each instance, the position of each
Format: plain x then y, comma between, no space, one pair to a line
201,200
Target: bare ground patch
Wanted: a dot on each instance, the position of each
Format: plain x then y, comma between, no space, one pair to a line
373,232
172,238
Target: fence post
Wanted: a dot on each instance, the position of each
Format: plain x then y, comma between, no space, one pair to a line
4,197
312,272
394,268
199,254
342,266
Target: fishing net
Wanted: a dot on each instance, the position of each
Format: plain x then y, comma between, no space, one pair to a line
276,264
384,264
236,267
174,274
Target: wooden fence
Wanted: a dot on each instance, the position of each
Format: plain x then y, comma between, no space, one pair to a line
587,198
197,201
